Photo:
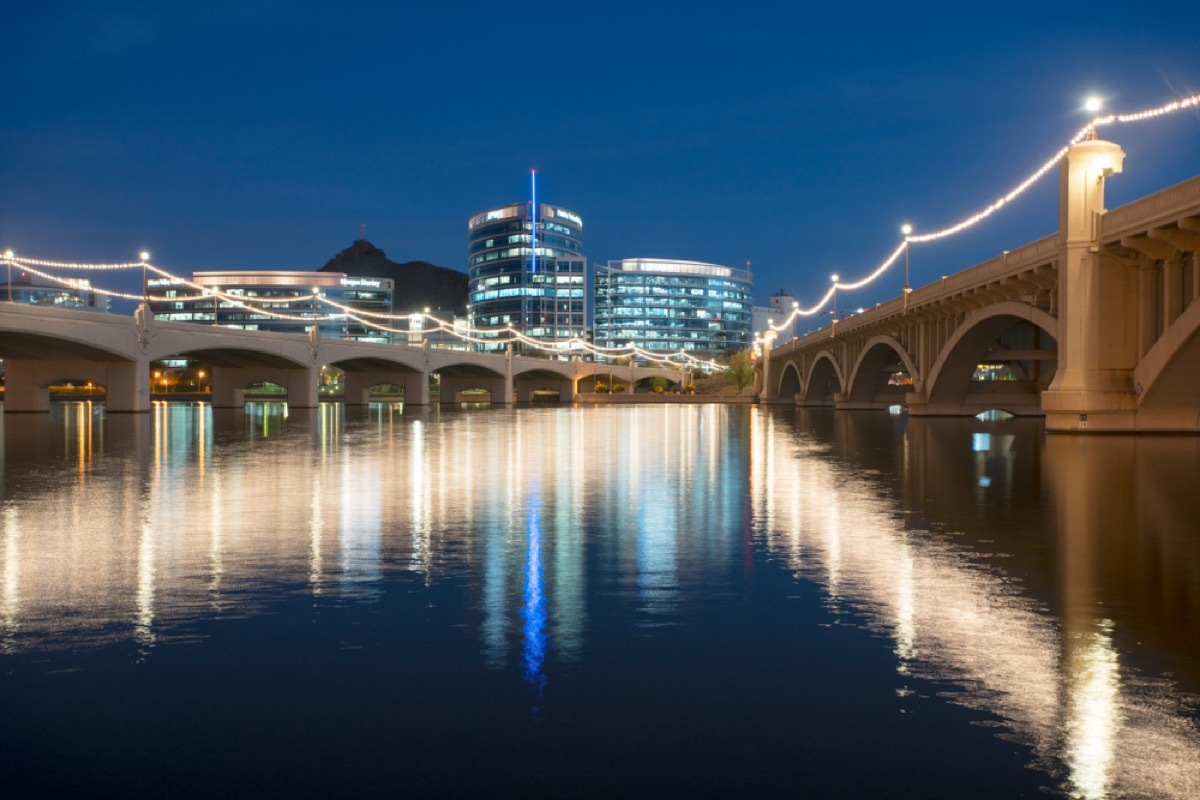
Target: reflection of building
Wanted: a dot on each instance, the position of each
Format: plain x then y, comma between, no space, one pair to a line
668,305
543,294
278,301
35,291
774,314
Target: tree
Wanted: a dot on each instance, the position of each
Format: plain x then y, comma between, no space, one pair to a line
741,371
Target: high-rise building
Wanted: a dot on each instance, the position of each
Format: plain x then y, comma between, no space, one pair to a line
539,290
668,305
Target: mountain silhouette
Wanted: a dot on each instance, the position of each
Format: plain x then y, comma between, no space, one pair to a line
418,284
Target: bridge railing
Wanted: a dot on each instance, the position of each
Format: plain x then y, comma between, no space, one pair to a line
994,270
1159,208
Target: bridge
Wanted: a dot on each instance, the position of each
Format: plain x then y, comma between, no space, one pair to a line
1094,327
43,346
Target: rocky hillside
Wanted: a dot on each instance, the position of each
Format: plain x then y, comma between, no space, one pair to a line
419,284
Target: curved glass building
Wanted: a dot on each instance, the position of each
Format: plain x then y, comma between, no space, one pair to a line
542,293
668,305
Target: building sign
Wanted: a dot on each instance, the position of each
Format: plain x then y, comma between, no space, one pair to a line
361,283
564,214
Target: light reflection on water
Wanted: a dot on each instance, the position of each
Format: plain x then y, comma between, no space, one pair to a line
1057,683
1008,572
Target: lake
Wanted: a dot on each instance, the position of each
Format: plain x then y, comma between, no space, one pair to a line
600,601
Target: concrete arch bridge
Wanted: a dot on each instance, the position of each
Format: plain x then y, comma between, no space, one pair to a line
44,346
1095,327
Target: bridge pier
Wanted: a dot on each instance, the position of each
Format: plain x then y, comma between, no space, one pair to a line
27,382
1092,388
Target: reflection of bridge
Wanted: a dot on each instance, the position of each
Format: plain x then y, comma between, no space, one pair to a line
1095,326
45,346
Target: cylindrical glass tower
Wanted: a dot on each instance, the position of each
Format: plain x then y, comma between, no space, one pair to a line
668,306
543,296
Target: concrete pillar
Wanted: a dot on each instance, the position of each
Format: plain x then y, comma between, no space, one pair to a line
1092,388
769,391
1147,308
507,395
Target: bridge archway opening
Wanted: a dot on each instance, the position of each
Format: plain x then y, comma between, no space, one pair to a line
264,390
882,377
76,389
545,396
789,382
824,382
386,393
1000,361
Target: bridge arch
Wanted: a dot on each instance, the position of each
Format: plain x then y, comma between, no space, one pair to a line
789,384
872,383
825,380
979,339
1167,380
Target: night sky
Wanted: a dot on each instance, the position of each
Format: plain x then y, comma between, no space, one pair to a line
795,136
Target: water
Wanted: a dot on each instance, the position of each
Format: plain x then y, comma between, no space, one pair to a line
709,601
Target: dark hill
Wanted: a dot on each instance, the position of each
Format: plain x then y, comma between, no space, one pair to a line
418,284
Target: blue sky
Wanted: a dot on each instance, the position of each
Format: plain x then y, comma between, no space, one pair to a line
798,137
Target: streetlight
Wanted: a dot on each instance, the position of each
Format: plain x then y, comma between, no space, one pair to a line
200,381
1092,105
833,325
795,317
144,256
907,230
8,259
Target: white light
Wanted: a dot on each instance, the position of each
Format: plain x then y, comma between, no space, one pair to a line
144,256
834,277
906,229
1093,104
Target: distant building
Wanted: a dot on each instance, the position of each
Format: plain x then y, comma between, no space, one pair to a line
542,295
36,291
293,295
781,305
666,305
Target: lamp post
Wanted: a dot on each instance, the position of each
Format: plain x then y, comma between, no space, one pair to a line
8,259
215,290
1092,106
907,230
144,256
795,318
834,277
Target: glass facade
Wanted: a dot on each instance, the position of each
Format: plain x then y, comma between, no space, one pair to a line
292,294
541,293
32,290
666,305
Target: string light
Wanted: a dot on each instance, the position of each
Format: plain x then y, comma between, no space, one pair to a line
1178,105
441,326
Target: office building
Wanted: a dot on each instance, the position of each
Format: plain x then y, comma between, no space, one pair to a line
276,300
539,290
668,305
